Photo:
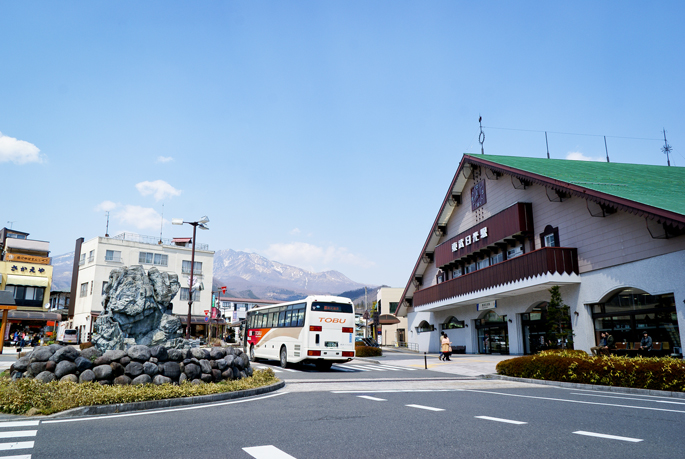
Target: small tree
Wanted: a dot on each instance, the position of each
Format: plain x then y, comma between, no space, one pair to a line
558,320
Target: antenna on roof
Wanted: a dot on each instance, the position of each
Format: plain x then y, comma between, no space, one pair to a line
666,149
481,136
107,227
11,223
161,226
606,148
547,143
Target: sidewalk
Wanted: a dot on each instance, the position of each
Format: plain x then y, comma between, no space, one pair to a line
460,364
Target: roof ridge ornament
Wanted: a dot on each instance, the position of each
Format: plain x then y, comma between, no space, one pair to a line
666,149
481,136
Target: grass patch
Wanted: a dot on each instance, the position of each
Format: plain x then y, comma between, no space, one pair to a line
27,396
658,373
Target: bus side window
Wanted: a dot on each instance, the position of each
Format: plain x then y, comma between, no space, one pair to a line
288,312
300,317
281,318
274,319
262,322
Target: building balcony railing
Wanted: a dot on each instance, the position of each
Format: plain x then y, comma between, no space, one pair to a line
548,260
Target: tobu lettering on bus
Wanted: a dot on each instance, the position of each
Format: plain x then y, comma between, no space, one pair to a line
290,332
330,320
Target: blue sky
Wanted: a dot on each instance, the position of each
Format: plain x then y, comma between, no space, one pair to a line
320,134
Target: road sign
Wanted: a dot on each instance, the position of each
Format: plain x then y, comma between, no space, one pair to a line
206,318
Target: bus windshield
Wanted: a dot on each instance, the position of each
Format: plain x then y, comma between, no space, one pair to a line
331,307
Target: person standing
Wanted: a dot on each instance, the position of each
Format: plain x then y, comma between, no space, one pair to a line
446,347
609,342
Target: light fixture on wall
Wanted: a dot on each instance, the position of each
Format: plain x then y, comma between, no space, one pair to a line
511,321
576,313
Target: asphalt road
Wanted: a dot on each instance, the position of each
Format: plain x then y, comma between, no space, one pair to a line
446,419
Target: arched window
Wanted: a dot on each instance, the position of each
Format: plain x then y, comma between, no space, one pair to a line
424,327
452,323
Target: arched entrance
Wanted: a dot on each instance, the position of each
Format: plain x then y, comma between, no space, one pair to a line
543,329
493,333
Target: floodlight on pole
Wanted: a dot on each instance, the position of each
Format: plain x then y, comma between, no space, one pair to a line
202,224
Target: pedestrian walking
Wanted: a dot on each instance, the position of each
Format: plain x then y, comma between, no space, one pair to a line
446,347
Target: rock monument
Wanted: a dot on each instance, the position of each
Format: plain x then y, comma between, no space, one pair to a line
137,311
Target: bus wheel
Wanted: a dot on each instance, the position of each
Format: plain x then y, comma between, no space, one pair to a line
323,365
284,357
252,357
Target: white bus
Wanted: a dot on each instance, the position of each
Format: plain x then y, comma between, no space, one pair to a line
318,329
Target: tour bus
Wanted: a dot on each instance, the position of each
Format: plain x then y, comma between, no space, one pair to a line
318,329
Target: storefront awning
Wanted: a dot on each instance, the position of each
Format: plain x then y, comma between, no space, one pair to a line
30,315
388,319
33,281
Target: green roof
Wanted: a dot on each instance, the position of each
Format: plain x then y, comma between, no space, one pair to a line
661,187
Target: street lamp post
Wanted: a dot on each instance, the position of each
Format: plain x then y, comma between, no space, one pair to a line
202,223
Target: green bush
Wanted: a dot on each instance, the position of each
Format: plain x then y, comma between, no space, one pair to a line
28,396
368,351
659,373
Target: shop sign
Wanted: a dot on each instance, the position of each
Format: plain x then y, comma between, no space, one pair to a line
470,239
27,258
487,305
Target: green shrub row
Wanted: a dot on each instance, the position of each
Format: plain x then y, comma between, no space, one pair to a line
659,373
28,396
368,351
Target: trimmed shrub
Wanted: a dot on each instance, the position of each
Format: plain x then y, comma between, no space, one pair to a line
368,351
658,373
85,345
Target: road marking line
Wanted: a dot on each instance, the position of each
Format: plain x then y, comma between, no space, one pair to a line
391,368
267,452
169,410
400,368
390,391
629,398
358,368
18,433
19,424
16,445
569,401
375,399
21,456
508,421
610,437
429,408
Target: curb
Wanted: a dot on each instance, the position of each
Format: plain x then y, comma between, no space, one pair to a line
166,403
622,390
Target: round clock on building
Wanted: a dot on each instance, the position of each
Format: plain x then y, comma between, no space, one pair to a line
478,197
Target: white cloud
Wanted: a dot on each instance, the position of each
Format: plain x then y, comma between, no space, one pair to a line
18,151
106,206
303,254
295,231
578,156
164,159
159,188
140,217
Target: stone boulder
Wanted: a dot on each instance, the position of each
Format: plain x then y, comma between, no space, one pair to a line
86,376
65,367
37,368
122,380
66,353
91,353
151,369
192,371
170,370
103,372
139,353
114,354
41,354
134,369
205,366
217,353
70,378
46,377
117,369
83,364
142,379
159,380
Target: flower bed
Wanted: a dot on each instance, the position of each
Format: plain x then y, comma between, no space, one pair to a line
656,373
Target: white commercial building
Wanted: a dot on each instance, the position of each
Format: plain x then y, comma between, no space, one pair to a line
100,255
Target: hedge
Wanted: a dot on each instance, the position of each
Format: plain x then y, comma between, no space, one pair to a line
658,373
368,351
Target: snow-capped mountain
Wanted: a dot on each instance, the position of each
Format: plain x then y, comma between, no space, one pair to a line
241,271
245,275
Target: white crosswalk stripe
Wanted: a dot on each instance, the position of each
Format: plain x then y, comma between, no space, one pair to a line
17,434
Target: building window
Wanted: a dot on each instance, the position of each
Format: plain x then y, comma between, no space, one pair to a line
84,289
424,327
185,268
514,252
483,263
550,237
113,255
470,268
82,260
91,287
497,258
184,294
456,272
153,258
91,256
25,295
452,323
393,307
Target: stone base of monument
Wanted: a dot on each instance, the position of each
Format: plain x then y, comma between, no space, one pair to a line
139,364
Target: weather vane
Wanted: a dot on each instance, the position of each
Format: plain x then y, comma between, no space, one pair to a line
666,149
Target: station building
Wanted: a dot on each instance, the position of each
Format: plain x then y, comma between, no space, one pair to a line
95,259
611,236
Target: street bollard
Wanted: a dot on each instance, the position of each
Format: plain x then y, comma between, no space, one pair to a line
425,361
